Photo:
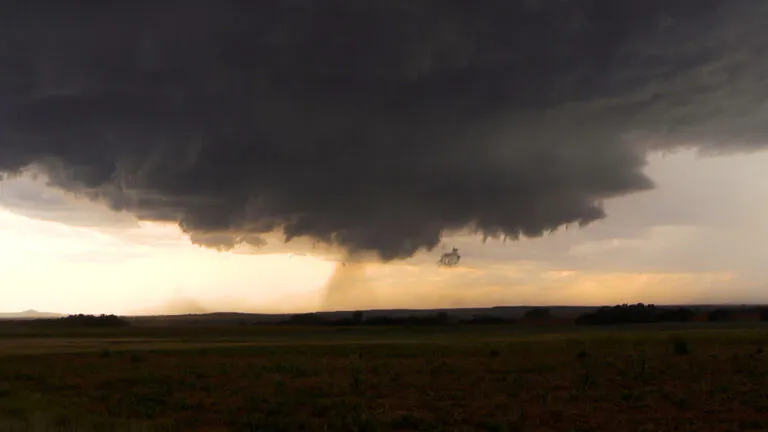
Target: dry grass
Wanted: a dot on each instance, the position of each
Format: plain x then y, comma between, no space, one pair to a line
479,379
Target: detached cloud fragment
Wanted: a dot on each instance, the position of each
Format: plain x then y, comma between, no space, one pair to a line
374,126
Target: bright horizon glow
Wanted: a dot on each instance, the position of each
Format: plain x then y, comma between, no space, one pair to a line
49,266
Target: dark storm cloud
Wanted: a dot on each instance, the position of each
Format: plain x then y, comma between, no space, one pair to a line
375,125
29,197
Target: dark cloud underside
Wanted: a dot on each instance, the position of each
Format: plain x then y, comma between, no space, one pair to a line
375,125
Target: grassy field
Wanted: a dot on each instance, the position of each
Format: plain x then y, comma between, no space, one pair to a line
494,378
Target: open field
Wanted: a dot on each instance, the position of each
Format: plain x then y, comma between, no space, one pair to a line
494,378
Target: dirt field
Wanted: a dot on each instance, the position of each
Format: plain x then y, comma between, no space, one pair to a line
284,379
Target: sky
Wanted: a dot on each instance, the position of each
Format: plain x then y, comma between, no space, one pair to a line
301,155
695,238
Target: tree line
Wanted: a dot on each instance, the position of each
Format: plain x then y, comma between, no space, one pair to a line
82,321
608,315
635,314
358,318
641,313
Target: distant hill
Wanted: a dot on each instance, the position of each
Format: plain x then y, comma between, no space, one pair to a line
28,314
505,312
